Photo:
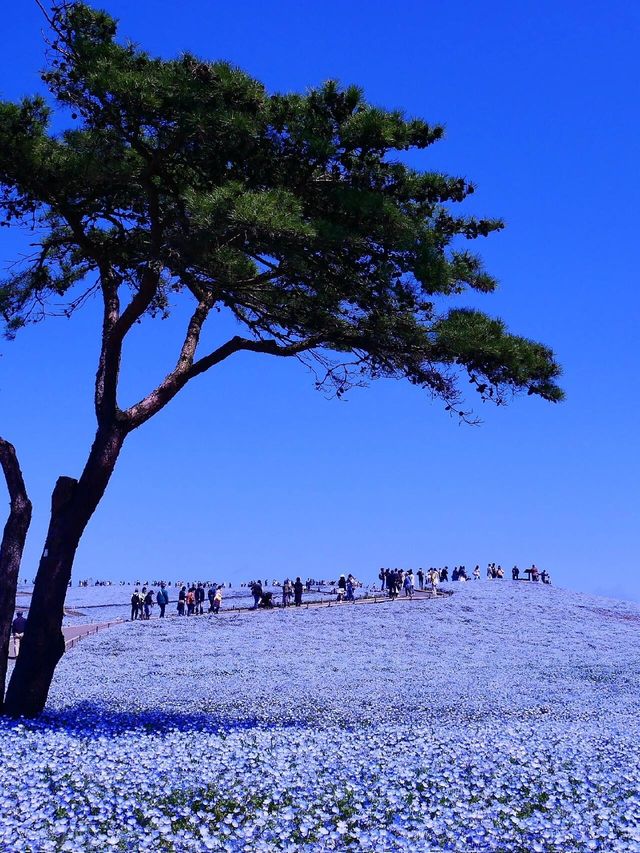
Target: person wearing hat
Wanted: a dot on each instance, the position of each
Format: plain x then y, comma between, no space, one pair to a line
19,624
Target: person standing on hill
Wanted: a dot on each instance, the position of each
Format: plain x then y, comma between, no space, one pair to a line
162,598
182,598
350,589
408,588
515,573
199,599
191,600
297,592
17,629
135,604
148,604
217,600
256,592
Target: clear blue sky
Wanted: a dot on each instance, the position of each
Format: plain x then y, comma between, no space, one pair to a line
251,472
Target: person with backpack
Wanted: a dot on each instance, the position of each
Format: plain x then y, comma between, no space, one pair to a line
162,598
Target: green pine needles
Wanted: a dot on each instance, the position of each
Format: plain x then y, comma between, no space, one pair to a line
291,211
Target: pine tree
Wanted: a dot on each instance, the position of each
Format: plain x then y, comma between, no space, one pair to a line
186,179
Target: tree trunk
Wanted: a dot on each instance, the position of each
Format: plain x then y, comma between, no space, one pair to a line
72,504
11,548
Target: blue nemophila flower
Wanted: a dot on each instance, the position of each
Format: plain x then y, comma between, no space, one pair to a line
435,725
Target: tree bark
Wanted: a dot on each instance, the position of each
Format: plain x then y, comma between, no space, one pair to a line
11,548
73,502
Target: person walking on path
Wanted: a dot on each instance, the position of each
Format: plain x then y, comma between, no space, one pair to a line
297,592
17,629
182,598
408,587
162,598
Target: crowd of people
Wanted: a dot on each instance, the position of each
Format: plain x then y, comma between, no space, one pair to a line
190,600
393,581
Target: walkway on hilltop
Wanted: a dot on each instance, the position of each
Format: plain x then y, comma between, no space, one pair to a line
74,633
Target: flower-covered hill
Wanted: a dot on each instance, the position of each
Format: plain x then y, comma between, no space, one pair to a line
503,718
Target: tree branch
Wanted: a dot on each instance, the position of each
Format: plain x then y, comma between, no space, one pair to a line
114,329
186,369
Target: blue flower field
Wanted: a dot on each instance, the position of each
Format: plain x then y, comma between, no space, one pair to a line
503,718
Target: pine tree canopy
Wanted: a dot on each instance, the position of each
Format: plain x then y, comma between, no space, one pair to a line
186,179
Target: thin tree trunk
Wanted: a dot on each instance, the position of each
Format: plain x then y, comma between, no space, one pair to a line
11,548
72,504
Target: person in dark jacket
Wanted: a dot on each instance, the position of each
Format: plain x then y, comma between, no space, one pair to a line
211,594
182,597
148,604
256,592
17,629
297,592
162,598
135,605
199,599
